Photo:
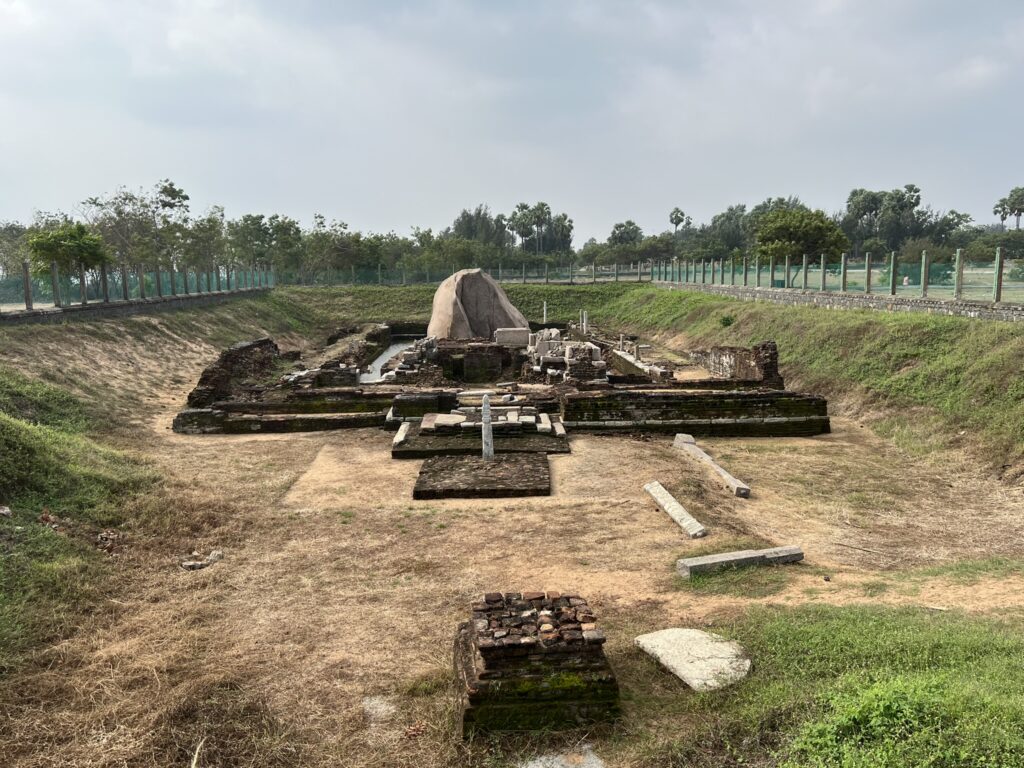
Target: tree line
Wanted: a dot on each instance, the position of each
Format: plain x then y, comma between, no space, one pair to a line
157,227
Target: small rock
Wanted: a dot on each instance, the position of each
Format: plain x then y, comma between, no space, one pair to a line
6,512
583,757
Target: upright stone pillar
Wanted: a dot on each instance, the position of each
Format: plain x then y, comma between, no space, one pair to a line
158,282
616,273
746,271
958,275
867,272
714,264
639,272
593,273
26,279
757,271
703,271
485,428
842,273
732,270
824,272
892,273
771,271
997,285
55,282
124,282
142,281
804,281
785,278
924,274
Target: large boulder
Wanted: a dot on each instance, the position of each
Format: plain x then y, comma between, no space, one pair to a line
471,305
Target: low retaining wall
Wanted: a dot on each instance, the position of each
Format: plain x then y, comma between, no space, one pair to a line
757,363
705,414
97,310
838,300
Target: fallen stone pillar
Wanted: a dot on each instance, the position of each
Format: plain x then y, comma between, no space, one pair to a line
689,566
687,444
675,510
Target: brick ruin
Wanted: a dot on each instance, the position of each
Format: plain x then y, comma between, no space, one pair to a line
758,364
532,661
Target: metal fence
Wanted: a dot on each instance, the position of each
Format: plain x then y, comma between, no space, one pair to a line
57,289
993,281
565,274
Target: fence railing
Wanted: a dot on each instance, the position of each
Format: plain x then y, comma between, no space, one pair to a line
57,289
998,280
506,273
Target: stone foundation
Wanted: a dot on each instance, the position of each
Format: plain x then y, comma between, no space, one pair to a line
532,661
473,477
702,414
758,363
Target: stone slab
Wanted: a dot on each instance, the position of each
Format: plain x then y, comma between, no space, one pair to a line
473,477
403,432
703,660
689,446
675,510
689,566
466,442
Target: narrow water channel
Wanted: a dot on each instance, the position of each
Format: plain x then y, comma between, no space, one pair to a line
372,376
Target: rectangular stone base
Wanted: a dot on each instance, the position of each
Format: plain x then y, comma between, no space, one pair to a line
472,477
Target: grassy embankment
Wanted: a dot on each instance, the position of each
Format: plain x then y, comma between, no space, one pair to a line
831,686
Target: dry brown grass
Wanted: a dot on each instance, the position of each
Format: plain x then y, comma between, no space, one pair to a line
337,586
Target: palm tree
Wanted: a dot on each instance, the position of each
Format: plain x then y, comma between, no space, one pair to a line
540,214
1002,210
677,218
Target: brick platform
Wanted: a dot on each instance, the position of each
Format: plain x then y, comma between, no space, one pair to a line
472,477
532,661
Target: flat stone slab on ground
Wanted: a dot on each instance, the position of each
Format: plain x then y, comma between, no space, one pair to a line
583,757
689,566
703,660
473,477
420,445
688,445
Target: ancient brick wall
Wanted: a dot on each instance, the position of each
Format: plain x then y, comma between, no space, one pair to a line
757,363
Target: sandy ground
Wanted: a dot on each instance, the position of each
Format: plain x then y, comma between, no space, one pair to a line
337,586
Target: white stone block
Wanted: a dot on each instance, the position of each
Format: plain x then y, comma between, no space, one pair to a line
703,660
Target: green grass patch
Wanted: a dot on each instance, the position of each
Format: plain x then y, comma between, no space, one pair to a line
844,687
46,461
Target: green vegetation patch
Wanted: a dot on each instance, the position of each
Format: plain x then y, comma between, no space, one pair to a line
843,687
46,462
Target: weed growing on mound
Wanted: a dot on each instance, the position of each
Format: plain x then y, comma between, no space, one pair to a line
46,462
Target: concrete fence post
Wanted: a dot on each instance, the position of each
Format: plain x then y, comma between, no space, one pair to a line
593,272
142,281
380,274
570,273
892,273
524,273
216,270
867,273
746,270
83,291
757,271
639,272
785,280
824,273
924,274
125,295
545,273
159,282
804,282
958,274
771,271
997,284
714,264
615,271
172,278
732,270
703,271
26,279
104,283
842,272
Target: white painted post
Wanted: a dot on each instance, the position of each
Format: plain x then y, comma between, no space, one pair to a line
545,312
485,428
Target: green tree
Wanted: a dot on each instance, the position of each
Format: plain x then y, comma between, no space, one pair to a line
70,245
626,233
796,231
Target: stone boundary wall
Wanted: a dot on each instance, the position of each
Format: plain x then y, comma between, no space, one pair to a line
837,300
100,310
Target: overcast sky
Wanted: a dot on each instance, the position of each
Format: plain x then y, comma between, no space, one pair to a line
393,114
